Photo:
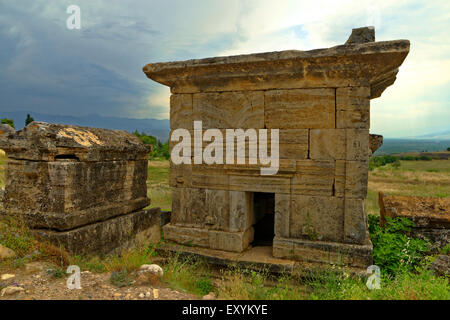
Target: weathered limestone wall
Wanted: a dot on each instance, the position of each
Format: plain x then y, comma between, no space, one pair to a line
83,188
320,102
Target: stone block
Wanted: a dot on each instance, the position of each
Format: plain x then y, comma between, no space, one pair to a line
356,179
257,183
355,221
230,241
324,253
63,195
218,209
327,144
189,207
210,177
283,248
353,108
186,235
317,218
181,114
293,143
339,178
241,208
222,110
282,214
339,144
104,237
300,109
313,178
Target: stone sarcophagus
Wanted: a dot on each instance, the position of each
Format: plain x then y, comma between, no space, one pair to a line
83,188
312,209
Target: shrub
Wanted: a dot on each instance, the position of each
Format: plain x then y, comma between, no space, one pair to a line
204,285
393,250
425,158
382,161
121,278
7,121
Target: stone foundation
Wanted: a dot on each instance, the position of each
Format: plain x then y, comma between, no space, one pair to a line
320,252
133,229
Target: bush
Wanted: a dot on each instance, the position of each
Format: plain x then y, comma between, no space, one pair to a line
7,121
393,250
425,158
121,278
382,161
160,150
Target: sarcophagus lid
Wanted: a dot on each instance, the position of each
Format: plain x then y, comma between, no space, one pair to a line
40,141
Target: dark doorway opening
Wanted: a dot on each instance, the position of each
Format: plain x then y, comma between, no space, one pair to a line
264,213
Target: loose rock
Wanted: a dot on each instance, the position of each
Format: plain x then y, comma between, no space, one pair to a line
11,290
6,253
7,276
210,296
152,268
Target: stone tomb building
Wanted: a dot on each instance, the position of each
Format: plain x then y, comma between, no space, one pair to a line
312,210
78,187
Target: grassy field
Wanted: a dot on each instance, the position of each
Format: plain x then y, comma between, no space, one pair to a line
412,178
158,189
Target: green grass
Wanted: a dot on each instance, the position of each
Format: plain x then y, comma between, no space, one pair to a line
158,188
191,275
421,285
433,165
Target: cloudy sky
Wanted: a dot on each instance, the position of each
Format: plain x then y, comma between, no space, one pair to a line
47,68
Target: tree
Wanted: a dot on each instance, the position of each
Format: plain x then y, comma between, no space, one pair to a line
8,122
448,149
28,120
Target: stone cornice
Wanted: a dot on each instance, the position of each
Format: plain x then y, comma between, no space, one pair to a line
373,64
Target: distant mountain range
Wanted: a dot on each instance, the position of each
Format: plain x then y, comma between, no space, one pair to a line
443,135
158,128
391,146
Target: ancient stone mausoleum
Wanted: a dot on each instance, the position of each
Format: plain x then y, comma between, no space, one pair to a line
312,210
81,188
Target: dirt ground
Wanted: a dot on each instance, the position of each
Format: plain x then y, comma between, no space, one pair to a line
38,284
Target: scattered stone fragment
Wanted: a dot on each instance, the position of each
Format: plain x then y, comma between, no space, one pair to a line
11,290
210,296
141,295
6,253
152,268
7,276
148,294
155,293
